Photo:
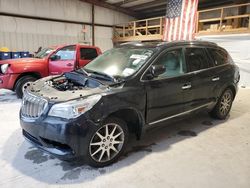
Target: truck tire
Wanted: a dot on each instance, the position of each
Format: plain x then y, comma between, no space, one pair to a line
21,82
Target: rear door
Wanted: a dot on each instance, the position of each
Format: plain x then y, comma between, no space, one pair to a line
85,54
65,61
199,67
223,72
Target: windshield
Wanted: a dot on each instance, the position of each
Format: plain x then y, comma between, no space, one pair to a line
44,53
120,62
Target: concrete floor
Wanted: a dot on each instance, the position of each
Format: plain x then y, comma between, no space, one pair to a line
196,152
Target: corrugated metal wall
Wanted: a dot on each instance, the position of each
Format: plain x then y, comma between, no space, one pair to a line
29,34
239,48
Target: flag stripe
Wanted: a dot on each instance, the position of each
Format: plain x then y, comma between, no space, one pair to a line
192,14
192,32
184,7
180,20
165,33
186,26
170,30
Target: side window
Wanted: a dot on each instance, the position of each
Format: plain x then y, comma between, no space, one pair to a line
220,57
67,53
173,61
196,59
88,53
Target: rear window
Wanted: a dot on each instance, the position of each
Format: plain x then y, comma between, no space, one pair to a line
220,57
88,53
196,59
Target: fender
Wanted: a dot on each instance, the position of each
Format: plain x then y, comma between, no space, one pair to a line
228,85
21,68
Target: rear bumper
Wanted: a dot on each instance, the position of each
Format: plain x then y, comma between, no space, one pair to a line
7,81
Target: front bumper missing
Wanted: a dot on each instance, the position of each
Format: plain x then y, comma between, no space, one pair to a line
59,152
60,137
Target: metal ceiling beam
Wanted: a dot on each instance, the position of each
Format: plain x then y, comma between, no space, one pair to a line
112,7
161,11
153,14
149,5
123,2
51,19
213,4
156,8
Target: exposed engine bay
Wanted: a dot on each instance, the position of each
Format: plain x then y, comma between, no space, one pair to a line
73,81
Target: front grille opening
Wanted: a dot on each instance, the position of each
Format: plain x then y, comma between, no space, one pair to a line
56,145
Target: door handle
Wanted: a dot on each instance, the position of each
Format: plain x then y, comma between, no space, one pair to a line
186,86
215,79
69,64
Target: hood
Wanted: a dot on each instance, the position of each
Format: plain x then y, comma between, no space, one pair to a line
66,87
21,60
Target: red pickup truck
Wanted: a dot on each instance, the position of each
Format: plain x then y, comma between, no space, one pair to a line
14,73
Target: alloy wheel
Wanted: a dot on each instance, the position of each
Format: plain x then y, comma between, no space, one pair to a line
225,103
106,143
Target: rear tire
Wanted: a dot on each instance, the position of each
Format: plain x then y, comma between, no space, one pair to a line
21,82
223,106
106,143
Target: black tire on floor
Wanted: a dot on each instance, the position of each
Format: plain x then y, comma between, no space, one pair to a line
225,100
93,138
20,83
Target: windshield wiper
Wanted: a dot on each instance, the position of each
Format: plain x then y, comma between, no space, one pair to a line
103,75
96,74
82,71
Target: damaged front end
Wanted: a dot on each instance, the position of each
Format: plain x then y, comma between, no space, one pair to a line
68,96
66,87
72,81
55,110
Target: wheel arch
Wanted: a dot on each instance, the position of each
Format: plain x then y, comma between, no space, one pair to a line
232,88
133,118
33,74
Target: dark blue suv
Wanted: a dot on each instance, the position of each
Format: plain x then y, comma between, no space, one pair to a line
89,113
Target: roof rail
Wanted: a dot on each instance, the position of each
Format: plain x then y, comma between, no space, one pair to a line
135,43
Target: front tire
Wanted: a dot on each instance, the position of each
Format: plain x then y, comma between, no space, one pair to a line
223,106
21,82
107,143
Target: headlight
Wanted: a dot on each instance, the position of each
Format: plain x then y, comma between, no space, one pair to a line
73,109
4,68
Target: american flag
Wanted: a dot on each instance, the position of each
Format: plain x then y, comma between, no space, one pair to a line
180,20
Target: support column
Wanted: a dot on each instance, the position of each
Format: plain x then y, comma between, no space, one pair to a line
93,24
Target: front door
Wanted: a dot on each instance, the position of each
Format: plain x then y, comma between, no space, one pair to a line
165,92
64,60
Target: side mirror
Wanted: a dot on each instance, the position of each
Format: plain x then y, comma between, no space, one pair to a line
54,57
155,71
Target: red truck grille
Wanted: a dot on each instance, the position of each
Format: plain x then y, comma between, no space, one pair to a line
33,106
